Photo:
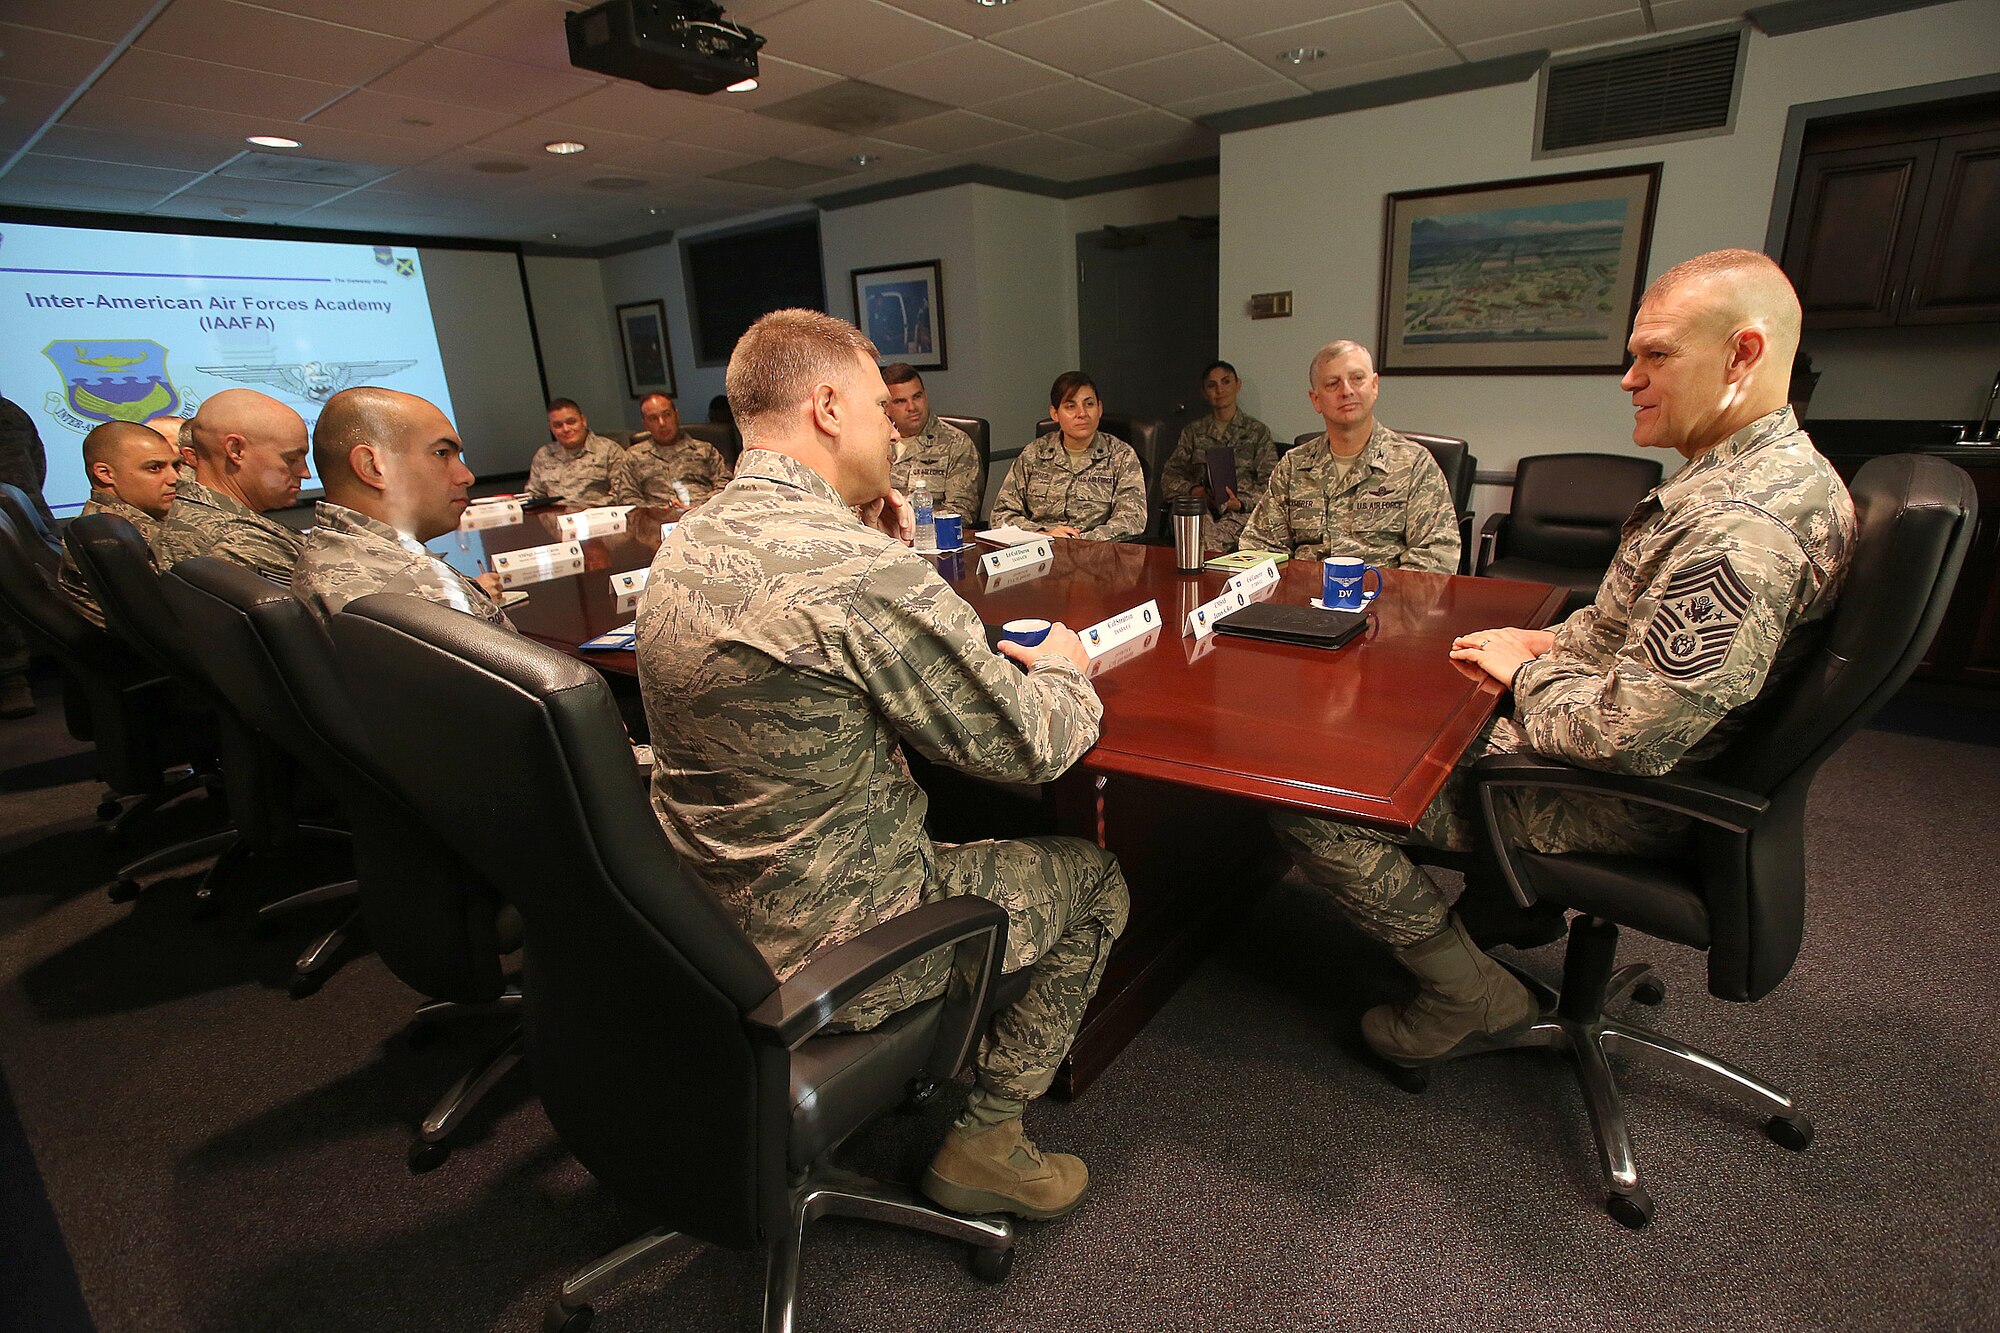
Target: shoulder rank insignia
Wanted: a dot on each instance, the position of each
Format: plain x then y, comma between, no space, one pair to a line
1699,614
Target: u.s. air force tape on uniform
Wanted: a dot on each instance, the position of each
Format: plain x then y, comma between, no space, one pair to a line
538,564
1017,557
588,523
1122,628
499,514
1256,578
626,587
1026,574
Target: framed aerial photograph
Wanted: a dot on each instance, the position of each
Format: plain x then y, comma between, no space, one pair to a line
901,309
649,365
1539,276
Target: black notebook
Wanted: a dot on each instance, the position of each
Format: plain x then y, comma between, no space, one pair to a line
1306,625
1221,477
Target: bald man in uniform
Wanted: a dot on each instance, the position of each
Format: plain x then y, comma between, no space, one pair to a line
395,478
249,458
1718,572
132,472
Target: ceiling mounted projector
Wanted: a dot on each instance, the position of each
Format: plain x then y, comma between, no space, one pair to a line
681,44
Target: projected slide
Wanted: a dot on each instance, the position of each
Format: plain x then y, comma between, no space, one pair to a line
125,326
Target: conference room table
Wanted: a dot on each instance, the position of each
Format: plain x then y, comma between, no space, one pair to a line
1201,736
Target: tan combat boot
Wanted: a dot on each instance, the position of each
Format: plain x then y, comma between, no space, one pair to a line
1000,1170
1464,1000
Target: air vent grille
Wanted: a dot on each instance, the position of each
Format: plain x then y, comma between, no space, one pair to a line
1659,92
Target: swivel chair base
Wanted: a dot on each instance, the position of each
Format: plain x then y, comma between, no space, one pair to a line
118,816
1573,1022
431,1149
824,1191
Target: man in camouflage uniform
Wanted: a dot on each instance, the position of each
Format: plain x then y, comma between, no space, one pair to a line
790,646
395,478
931,448
665,467
574,468
23,463
249,458
1225,427
133,472
1718,571
1360,489
1076,481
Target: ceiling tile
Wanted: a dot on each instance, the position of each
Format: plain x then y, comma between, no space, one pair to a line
425,21
951,132
112,112
104,175
1393,68
247,92
976,20
1564,37
254,38
1062,104
493,85
840,152
244,210
1130,130
243,188
1104,36
47,57
88,197
527,32
1361,38
1238,18
1032,155
1463,21
1204,70
632,108
853,37
370,112
776,80
1671,14
104,20
1094,162
743,132
680,159
30,104
967,74
1195,108
179,152
525,139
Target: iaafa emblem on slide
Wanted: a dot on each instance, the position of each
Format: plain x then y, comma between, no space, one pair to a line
121,380
315,381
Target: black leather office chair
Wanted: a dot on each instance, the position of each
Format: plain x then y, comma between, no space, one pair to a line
149,749
434,922
1564,521
1740,894
981,434
33,520
1147,436
668,1057
1455,460
259,780
720,434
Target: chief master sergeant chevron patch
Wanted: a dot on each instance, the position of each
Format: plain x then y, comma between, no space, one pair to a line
1700,612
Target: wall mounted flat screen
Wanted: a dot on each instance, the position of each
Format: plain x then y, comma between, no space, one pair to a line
733,279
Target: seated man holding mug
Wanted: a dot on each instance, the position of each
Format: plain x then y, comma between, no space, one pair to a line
1360,489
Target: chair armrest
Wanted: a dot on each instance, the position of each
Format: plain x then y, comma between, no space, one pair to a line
974,927
1489,541
1711,802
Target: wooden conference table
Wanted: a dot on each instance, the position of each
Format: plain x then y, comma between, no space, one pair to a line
1199,737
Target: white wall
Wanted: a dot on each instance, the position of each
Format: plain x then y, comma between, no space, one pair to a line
1302,211
489,359
579,341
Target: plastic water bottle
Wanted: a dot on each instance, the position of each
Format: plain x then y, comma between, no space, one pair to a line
920,502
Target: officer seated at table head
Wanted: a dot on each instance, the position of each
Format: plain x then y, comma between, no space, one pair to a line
1719,571
132,474
1076,481
574,467
395,478
247,455
1358,489
790,646
931,448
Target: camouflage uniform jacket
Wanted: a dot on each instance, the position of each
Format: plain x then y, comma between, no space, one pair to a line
1248,437
70,578
580,478
1100,492
206,522
1717,572
23,461
350,555
947,459
645,474
1392,508
785,650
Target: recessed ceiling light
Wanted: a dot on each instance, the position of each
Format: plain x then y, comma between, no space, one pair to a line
742,86
555,236
272,141
991,4
1302,55
864,159
563,147
652,212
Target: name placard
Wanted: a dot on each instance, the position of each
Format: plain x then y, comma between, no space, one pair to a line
1256,578
1123,653
538,564
1029,574
1121,629
499,514
1018,557
1201,620
626,587
588,523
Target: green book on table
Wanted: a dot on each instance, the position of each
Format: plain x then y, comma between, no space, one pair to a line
1237,561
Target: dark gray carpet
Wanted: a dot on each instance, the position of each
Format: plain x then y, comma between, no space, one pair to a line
220,1157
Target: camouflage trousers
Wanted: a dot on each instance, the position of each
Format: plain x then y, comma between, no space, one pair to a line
1388,896
1066,902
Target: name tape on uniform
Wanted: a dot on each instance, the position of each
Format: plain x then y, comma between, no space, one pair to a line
588,523
538,564
499,514
1028,574
1201,620
1123,653
1018,557
626,587
1256,578
1121,629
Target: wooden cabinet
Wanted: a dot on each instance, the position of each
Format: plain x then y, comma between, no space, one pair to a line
1898,233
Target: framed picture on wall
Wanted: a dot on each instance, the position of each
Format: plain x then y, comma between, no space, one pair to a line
642,331
901,309
1538,276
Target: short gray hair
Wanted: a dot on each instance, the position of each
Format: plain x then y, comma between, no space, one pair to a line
1338,347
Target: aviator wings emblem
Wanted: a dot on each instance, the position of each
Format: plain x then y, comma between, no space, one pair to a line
314,380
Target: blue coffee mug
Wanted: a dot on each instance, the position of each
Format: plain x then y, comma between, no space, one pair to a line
950,532
1027,633
1344,582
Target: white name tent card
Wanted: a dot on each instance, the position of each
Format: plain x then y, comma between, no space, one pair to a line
1010,536
588,523
1033,551
538,564
1026,574
1123,653
1121,629
1256,578
1201,620
500,514
626,587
